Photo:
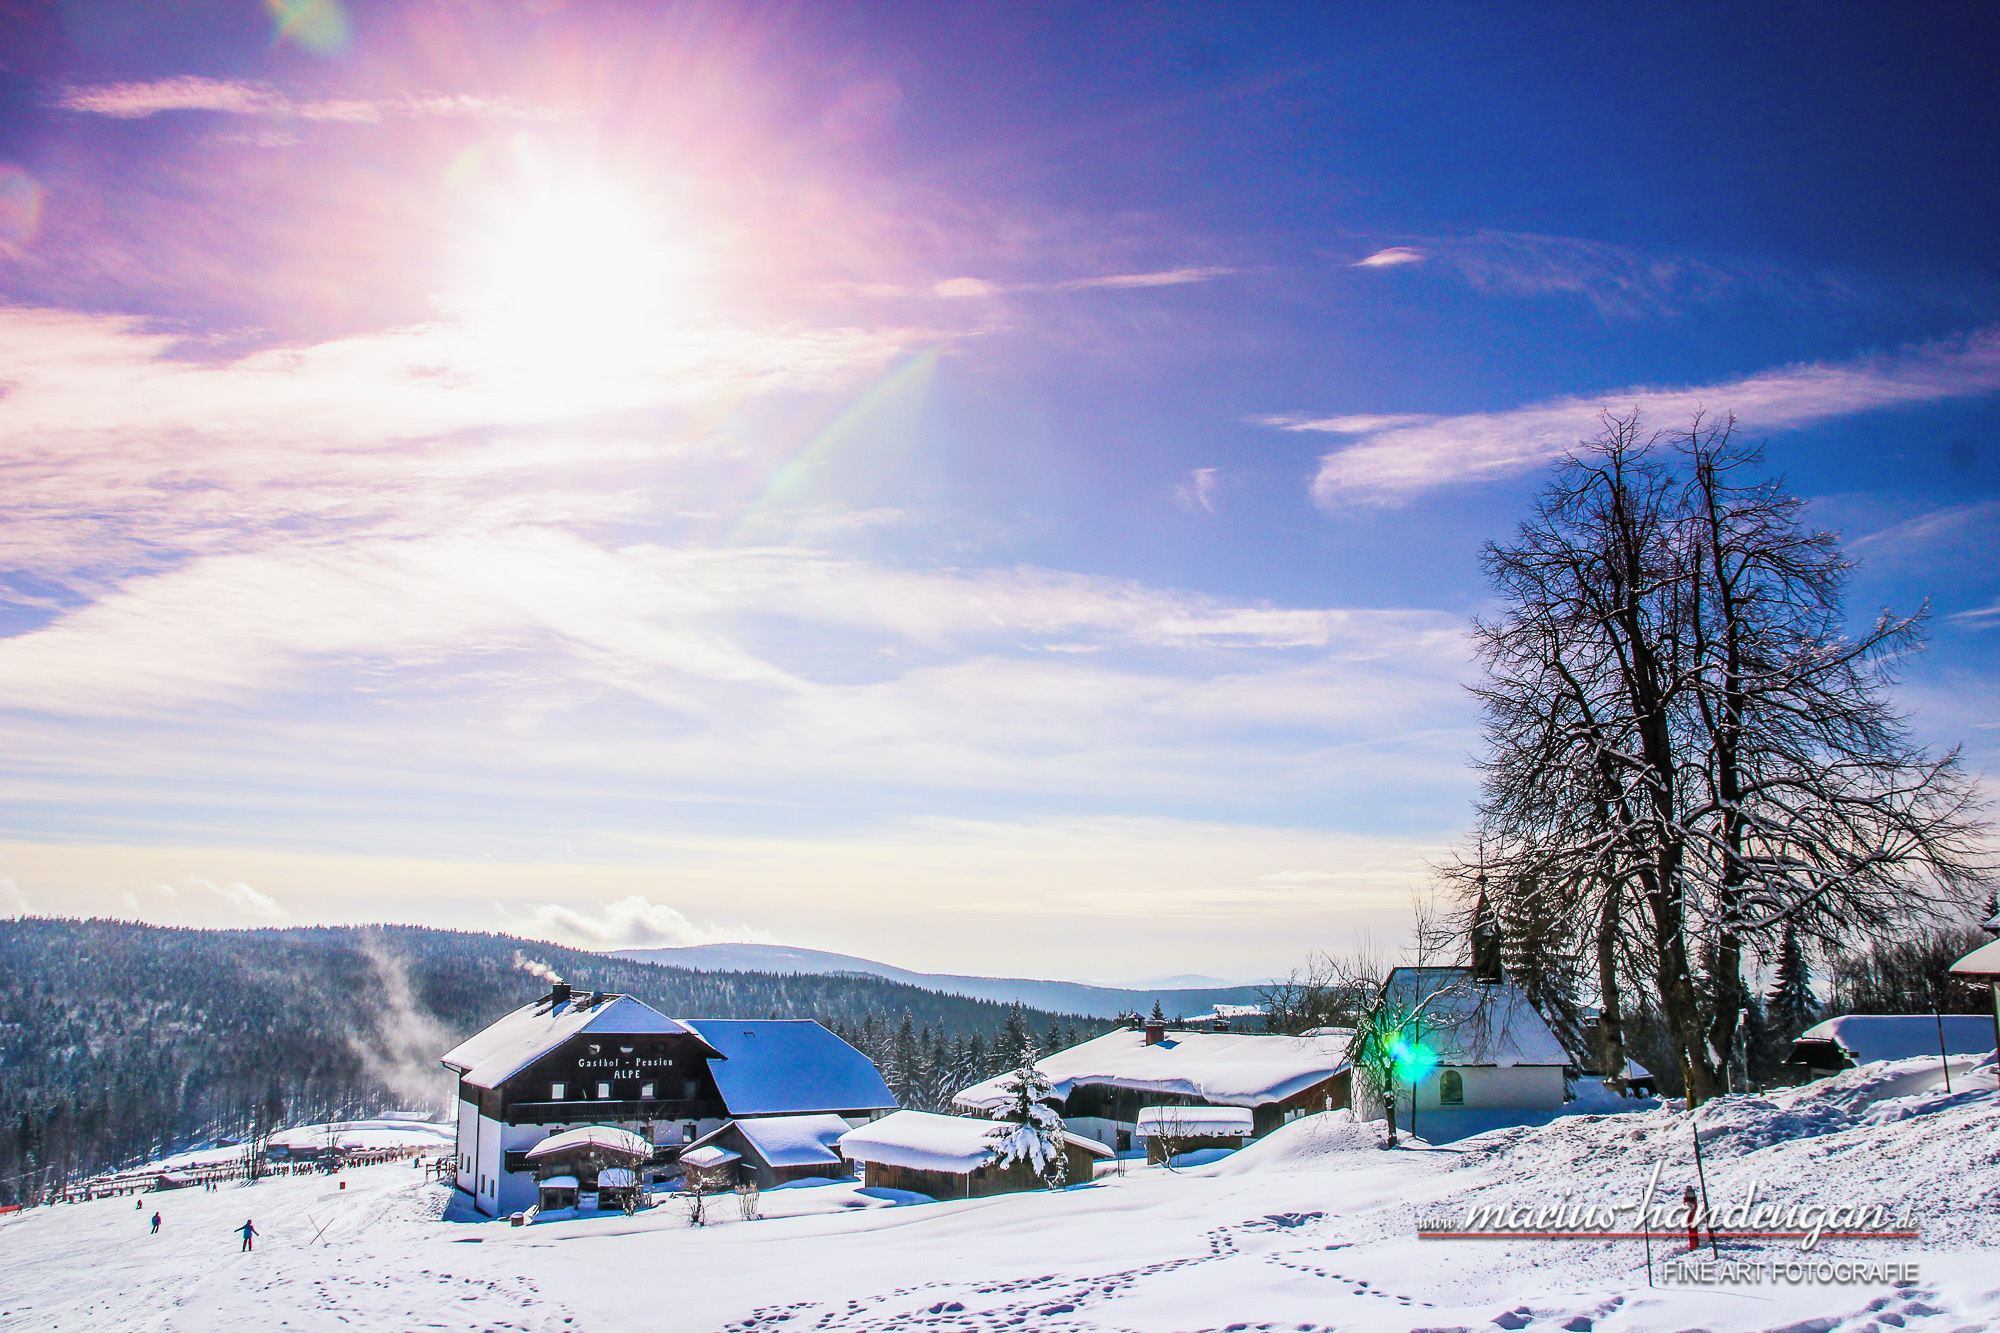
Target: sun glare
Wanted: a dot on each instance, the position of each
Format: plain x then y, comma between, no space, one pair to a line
581,274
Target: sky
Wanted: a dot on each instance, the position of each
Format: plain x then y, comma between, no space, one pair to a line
989,487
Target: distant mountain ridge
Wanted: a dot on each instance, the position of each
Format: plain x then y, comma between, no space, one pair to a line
1068,997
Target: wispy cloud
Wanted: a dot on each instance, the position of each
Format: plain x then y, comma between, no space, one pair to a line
1391,257
979,288
1198,491
1397,457
1618,281
136,101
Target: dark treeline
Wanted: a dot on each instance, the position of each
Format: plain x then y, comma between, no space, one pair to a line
120,1041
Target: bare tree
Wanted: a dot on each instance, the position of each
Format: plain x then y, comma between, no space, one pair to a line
1685,750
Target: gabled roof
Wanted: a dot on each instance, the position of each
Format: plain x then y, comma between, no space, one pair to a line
783,1140
1474,1023
504,1048
789,1067
921,1141
1227,1068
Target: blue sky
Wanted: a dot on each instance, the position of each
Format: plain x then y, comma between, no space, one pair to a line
994,488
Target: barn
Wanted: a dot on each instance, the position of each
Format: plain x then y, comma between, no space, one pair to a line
952,1157
572,1059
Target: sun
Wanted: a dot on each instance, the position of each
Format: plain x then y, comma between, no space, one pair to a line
584,271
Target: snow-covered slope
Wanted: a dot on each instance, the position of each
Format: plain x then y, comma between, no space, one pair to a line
1062,997
1310,1230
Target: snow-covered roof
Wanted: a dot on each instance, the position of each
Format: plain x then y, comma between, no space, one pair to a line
505,1047
1870,1037
787,1067
1228,1068
1470,1023
711,1156
1981,962
1992,923
608,1137
560,1183
1192,1121
922,1141
617,1178
787,1140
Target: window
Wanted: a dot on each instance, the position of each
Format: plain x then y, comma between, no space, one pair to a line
604,1091
1451,1088
558,1091
645,1092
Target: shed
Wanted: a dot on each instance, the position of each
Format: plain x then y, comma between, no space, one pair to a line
710,1168
771,1150
1985,962
951,1156
1859,1039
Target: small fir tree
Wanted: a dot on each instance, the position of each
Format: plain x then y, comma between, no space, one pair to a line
1030,1130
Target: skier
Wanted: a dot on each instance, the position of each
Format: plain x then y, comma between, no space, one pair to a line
156,1224
249,1234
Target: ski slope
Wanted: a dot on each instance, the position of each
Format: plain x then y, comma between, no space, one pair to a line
1311,1229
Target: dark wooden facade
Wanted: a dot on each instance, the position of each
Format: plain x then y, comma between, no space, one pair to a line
605,1078
980,1181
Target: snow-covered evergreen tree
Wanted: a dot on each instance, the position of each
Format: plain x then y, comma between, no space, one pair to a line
1791,1007
1030,1130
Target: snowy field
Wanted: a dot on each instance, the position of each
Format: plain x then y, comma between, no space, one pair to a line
1312,1229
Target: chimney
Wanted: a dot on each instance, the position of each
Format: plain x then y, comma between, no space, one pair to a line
1156,1031
558,992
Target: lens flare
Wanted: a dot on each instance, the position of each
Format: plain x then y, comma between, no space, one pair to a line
320,26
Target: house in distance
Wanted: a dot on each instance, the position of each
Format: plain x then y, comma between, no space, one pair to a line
1103,1084
572,1059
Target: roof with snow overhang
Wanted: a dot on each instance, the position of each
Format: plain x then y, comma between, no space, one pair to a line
1196,1122
1227,1068
505,1047
922,1141
1870,1037
789,1067
606,1138
1981,962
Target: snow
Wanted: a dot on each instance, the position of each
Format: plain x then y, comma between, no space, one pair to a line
1194,1121
390,1131
711,1156
792,1140
593,1136
789,1066
505,1047
1227,1068
1475,1024
616,1178
922,1141
561,1183
1868,1037
1983,961
1310,1229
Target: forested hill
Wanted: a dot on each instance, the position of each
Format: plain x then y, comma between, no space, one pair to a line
117,1039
